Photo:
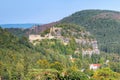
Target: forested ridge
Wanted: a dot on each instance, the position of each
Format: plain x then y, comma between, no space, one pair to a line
103,24
51,59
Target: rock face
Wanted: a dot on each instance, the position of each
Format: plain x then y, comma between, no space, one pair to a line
94,49
94,46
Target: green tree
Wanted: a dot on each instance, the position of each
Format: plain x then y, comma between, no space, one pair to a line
106,74
44,64
76,75
57,65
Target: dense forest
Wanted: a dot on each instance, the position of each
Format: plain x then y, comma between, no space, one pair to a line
19,32
103,24
51,59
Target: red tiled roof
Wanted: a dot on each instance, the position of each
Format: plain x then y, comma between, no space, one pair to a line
98,65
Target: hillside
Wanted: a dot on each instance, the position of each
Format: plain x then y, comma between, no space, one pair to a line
9,41
19,32
73,47
62,51
103,24
14,55
71,36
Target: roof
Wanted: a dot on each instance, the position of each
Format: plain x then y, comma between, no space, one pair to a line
98,65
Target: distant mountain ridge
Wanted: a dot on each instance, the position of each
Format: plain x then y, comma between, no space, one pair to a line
34,29
26,25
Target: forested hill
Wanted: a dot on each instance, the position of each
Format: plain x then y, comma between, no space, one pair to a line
11,42
61,52
103,24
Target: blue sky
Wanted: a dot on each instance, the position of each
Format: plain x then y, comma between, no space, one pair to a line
45,11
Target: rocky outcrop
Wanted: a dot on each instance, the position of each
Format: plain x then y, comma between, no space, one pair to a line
89,45
94,49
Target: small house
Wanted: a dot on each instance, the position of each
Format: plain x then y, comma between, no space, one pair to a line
94,66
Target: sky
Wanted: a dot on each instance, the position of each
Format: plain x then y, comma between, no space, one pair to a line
46,11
